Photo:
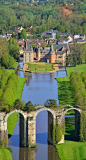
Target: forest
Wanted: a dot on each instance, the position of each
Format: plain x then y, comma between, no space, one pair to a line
43,15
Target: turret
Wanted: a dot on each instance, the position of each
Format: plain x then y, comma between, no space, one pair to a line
52,54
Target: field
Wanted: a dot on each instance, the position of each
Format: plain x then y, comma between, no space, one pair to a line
43,67
64,87
5,154
71,150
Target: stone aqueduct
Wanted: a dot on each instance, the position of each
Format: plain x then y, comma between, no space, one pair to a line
28,123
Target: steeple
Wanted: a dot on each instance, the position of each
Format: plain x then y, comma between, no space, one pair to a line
51,48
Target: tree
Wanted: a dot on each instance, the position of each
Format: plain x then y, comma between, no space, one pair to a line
14,48
17,104
29,107
23,34
50,103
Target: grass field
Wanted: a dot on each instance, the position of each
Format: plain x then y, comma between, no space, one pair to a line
11,122
20,88
5,154
71,150
64,86
43,67
13,118
64,91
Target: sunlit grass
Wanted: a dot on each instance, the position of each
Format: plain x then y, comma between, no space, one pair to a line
71,150
42,67
5,154
11,122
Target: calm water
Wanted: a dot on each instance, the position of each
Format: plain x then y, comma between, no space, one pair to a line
38,88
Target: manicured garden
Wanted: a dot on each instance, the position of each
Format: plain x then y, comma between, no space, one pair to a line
40,67
5,154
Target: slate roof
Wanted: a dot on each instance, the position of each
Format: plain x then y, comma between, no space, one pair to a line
29,47
59,46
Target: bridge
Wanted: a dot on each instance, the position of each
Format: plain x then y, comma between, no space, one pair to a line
28,123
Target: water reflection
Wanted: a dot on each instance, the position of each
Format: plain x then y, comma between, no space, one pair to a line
39,87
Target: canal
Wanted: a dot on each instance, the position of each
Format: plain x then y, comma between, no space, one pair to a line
38,88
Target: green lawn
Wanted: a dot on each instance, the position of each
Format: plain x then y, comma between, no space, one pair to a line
40,67
20,88
78,68
71,150
64,86
64,91
13,118
11,122
5,154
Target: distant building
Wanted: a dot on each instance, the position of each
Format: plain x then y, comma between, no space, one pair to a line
58,56
28,53
46,54
79,36
51,34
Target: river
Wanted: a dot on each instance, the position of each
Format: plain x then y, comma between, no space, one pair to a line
38,88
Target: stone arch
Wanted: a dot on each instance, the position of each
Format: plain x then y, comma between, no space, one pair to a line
72,108
14,111
45,109
68,105
51,121
76,121
23,119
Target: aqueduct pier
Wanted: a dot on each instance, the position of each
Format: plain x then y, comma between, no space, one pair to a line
28,123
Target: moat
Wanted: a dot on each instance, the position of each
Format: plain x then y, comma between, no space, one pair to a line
38,88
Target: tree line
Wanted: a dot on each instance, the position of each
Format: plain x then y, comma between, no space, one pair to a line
78,88
78,55
50,17
9,53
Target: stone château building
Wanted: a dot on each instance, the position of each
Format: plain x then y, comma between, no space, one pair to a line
49,55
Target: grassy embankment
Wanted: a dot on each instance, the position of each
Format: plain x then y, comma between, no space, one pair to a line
40,67
13,118
5,154
70,150
64,91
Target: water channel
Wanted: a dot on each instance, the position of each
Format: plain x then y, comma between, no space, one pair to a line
38,88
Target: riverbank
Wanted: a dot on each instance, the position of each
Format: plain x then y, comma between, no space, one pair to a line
12,119
64,86
5,154
71,150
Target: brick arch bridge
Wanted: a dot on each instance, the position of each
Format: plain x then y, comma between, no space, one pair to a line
28,122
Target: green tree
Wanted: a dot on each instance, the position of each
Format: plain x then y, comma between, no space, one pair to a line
50,103
23,34
14,48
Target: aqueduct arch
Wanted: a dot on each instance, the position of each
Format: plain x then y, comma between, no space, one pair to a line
51,121
77,120
28,130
